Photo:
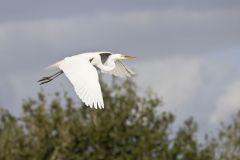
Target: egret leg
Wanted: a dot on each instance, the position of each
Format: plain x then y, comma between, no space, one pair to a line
49,78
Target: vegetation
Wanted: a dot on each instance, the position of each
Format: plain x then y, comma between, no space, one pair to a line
129,128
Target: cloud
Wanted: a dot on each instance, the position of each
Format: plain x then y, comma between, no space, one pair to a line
15,88
175,79
27,9
228,103
189,86
148,34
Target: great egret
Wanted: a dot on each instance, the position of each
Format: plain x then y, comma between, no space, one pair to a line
80,70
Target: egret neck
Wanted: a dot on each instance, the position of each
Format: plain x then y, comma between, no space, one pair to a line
108,66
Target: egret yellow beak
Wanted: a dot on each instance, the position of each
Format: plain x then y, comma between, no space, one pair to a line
128,57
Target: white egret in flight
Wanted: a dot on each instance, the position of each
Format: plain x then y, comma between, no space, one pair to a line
80,70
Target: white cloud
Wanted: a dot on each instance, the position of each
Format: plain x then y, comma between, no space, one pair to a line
174,79
228,103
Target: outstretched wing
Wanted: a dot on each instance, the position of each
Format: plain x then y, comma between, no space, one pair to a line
121,70
84,79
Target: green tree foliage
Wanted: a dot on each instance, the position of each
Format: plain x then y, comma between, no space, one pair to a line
128,128
186,146
228,143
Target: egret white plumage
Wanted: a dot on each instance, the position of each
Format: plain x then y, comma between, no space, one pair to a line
80,70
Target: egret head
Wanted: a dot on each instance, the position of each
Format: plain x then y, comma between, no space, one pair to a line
121,56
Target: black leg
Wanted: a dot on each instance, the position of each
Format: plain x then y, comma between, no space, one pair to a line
49,78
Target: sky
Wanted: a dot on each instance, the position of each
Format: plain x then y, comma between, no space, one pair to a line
187,51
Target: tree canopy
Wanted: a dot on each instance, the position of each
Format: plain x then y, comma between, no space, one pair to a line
129,127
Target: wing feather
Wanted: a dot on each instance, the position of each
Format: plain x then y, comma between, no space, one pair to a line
84,79
121,70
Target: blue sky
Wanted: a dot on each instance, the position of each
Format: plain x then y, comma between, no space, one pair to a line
188,51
